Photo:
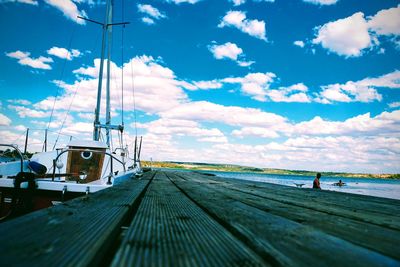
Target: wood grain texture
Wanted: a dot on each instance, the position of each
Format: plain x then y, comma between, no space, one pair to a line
77,233
170,230
190,219
276,234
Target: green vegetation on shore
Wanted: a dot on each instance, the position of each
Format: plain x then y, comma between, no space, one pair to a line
236,168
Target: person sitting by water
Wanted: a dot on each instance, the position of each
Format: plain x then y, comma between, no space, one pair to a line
316,183
340,183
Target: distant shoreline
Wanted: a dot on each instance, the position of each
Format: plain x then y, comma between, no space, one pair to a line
243,169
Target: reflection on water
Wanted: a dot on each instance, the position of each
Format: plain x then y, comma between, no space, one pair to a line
364,186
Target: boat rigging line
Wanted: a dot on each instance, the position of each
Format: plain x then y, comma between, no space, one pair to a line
58,83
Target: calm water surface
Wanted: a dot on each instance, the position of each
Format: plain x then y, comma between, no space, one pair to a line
364,186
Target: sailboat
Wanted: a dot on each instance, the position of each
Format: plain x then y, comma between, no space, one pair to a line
79,168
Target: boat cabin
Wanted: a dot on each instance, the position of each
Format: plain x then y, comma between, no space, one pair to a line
85,160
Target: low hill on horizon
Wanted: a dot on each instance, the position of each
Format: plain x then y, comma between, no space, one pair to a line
200,166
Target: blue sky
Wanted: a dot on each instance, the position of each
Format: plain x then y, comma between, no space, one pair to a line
299,84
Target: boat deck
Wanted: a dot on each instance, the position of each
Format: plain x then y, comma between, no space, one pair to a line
190,219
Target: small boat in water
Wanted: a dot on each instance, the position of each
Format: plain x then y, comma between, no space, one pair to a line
79,168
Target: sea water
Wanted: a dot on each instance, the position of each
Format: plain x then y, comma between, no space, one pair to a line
364,186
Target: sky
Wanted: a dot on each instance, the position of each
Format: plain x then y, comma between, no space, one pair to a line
294,84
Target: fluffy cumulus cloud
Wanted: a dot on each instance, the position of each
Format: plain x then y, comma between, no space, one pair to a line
293,93
179,128
63,52
151,13
69,9
156,88
231,51
25,59
360,91
230,115
386,22
299,43
258,86
387,122
24,112
227,50
176,127
321,2
352,36
255,131
347,37
254,84
237,19
4,120
208,85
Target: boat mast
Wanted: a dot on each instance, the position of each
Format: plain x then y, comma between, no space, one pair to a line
106,41
108,111
97,127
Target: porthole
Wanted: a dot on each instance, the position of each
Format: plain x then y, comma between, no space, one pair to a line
86,154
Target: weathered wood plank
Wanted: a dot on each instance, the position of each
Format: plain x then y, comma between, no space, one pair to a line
170,230
371,236
288,242
77,233
357,207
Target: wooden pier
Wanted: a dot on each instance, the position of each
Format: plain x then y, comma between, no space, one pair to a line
190,219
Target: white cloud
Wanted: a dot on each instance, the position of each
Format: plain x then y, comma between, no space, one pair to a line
183,1
24,112
360,91
63,53
350,36
4,120
294,93
255,131
214,139
385,122
299,43
156,88
208,84
151,12
29,2
254,84
245,63
227,50
231,115
361,125
177,127
390,80
25,59
394,104
237,19
148,21
231,51
23,102
69,9
352,154
16,138
321,2
386,22
347,37
240,2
